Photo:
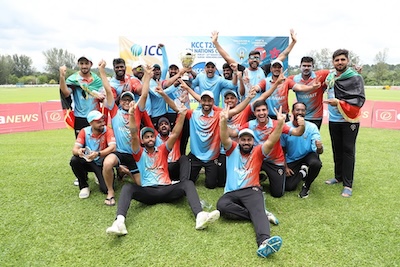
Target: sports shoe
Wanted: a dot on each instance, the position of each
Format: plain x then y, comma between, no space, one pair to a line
304,192
84,193
76,182
271,218
117,228
204,218
304,171
269,246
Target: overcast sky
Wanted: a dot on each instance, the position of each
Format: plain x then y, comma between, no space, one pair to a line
93,28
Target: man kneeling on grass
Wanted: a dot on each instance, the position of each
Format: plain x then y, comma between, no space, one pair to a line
243,196
155,183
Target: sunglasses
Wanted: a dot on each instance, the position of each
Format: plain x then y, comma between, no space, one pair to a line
254,57
139,69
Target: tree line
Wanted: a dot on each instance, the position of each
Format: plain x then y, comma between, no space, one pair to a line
18,69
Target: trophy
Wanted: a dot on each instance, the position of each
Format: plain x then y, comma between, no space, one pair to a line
187,58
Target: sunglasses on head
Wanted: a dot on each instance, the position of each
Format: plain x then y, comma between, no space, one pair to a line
254,57
139,69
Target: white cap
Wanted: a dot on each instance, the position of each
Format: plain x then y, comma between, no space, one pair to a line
207,92
276,61
246,131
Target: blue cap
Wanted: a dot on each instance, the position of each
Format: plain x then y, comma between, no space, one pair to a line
94,115
145,130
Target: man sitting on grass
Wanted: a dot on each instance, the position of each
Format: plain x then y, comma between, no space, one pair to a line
155,183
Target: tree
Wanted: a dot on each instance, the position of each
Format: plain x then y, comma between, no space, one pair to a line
22,65
6,68
56,58
381,68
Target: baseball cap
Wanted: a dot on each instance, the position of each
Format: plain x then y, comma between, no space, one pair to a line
276,61
173,65
162,119
246,131
145,130
207,92
156,66
136,64
94,115
210,63
128,94
85,57
227,92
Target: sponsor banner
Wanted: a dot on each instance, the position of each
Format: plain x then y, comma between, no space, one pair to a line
23,117
145,49
52,115
386,115
366,114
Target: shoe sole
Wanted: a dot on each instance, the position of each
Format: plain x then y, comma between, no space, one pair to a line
273,245
214,215
117,233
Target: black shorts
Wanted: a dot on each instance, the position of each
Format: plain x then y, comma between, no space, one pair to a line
127,160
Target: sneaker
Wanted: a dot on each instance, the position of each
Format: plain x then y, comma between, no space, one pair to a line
304,171
269,246
271,218
84,193
117,228
304,192
76,182
204,218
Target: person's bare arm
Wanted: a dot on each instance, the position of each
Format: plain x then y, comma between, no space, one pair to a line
177,128
221,51
189,90
276,133
242,105
282,56
223,127
166,98
148,73
63,85
106,84
299,130
133,128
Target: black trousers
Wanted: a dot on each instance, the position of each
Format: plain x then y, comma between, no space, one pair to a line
343,138
314,166
246,204
81,167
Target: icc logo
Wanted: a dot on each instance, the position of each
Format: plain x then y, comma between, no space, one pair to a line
149,50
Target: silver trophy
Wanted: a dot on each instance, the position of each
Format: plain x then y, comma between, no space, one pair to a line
187,58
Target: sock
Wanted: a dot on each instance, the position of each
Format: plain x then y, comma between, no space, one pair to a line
303,173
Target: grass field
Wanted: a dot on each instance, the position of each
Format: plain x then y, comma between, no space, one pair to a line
44,223
43,94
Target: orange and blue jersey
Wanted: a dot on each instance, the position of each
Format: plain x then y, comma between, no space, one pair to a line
120,86
153,167
261,134
86,138
255,76
205,141
312,99
280,96
242,170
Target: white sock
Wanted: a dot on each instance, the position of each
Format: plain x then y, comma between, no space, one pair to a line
303,173
121,218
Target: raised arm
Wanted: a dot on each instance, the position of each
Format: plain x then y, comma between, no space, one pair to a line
133,128
276,134
242,105
299,130
268,93
223,127
177,128
166,98
282,56
221,51
148,73
190,90
63,84
107,87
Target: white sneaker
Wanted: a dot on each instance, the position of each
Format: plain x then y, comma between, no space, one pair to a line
204,218
271,218
84,193
117,228
76,182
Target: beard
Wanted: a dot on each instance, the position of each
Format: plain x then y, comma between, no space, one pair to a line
245,150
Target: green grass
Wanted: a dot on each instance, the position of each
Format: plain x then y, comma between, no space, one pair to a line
44,223
43,94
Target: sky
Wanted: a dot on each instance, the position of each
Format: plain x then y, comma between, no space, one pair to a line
93,28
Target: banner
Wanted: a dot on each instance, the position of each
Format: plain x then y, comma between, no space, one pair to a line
145,49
